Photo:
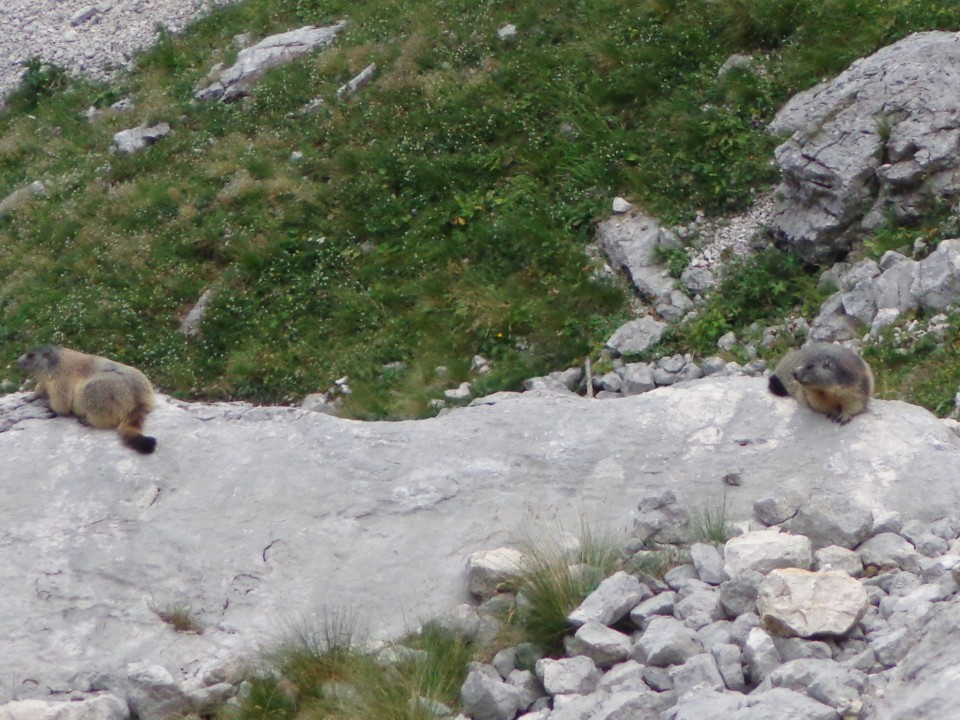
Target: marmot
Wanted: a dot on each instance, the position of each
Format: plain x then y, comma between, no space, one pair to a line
100,392
827,378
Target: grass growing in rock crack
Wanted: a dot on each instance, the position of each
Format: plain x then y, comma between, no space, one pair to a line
328,672
556,577
439,214
179,616
709,522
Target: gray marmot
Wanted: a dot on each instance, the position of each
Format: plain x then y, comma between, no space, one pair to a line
827,378
101,392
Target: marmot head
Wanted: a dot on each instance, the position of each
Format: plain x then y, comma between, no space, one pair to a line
830,365
40,358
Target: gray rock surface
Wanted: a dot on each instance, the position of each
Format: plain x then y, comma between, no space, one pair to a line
631,242
21,197
91,39
636,336
136,139
877,300
252,62
810,604
258,518
881,137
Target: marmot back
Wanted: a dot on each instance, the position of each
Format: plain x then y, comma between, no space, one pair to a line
827,378
101,392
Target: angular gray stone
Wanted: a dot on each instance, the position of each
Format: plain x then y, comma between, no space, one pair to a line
729,659
795,648
136,139
486,696
775,510
252,62
709,563
662,518
568,676
153,693
631,243
682,578
667,641
627,675
602,644
362,79
716,633
835,521
636,336
191,324
888,550
760,655
612,600
936,283
660,604
22,197
488,570
805,603
96,707
530,688
739,594
871,140
860,303
700,608
619,705
778,704
834,557
636,378
893,289
891,647
923,685
698,673
765,550
826,681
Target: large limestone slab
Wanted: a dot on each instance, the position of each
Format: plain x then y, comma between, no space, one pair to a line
880,138
259,518
252,62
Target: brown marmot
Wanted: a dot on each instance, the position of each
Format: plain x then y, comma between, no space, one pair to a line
827,378
101,392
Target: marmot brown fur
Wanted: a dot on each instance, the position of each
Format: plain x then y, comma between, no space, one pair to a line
101,392
827,378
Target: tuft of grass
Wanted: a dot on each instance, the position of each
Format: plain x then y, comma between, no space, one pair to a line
327,671
40,79
709,522
555,579
179,616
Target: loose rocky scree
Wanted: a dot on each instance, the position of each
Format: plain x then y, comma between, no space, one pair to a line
804,619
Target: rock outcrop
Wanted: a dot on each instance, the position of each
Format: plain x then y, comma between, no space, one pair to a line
881,138
252,62
258,517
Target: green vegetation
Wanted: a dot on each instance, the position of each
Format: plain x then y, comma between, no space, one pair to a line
759,290
179,616
441,213
709,522
555,579
325,672
922,370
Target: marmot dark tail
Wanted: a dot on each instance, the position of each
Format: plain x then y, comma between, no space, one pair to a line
131,431
141,443
776,387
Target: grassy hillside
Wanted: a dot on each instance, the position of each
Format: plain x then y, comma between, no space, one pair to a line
440,213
